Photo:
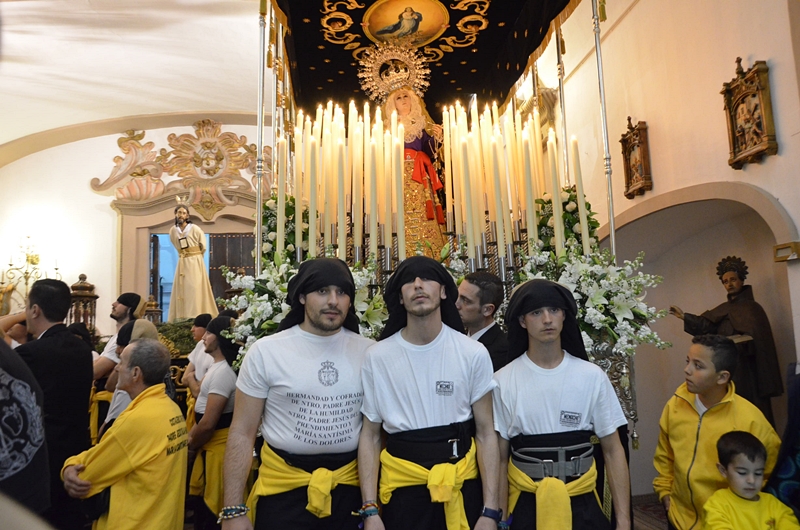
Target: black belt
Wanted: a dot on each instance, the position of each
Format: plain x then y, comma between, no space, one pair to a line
565,456
433,445
223,423
310,463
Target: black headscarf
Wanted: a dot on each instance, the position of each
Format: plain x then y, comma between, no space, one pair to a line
315,274
134,303
202,320
535,294
136,329
409,270
229,348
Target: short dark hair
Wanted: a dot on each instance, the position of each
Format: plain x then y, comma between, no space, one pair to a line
152,358
724,351
735,443
53,297
490,288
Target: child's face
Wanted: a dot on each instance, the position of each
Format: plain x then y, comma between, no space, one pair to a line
744,477
701,374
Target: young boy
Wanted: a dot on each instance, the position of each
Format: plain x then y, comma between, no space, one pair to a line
742,458
703,408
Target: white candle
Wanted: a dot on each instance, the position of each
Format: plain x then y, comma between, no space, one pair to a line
467,195
358,185
312,198
280,239
399,147
498,206
341,221
576,164
299,159
448,169
373,200
387,187
537,146
558,219
530,208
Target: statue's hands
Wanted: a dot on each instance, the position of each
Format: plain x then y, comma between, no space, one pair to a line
677,311
438,132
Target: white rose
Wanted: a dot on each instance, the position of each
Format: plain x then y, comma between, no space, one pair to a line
271,204
266,247
271,236
546,197
571,207
576,228
551,222
564,196
290,247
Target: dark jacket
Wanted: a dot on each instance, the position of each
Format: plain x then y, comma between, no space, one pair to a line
496,342
62,364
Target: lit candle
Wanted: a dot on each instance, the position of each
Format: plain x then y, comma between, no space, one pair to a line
467,194
399,146
537,146
393,122
299,159
448,169
387,187
505,177
341,221
373,200
312,198
576,164
327,190
358,193
495,115
501,246
458,176
280,239
558,219
530,205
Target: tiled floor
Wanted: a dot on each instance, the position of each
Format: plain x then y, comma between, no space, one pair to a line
648,514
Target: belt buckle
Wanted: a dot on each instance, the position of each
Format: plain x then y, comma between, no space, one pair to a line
575,462
454,441
548,472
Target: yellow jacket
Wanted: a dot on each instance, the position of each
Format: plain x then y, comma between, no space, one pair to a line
142,458
207,472
686,455
727,511
444,482
276,476
553,510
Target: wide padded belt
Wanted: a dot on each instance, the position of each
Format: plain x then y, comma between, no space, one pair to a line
433,445
563,467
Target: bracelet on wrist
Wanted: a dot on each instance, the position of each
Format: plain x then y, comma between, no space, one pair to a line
231,512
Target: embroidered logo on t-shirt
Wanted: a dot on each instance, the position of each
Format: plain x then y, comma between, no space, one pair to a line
328,375
444,388
570,419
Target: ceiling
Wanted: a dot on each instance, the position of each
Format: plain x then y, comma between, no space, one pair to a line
69,62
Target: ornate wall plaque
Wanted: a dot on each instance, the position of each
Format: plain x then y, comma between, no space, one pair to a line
636,157
748,111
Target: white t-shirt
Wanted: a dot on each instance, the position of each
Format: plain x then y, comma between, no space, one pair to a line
312,386
575,395
220,379
110,351
201,360
408,387
119,402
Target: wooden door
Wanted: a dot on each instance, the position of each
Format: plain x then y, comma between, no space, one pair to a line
234,251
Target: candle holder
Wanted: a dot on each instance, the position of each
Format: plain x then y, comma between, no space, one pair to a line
16,281
358,254
471,264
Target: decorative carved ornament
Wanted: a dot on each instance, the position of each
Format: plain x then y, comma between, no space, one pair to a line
636,160
207,167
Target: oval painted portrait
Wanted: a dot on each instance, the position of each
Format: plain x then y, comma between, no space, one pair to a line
420,21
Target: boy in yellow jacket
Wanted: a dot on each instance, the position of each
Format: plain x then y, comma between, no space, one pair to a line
702,409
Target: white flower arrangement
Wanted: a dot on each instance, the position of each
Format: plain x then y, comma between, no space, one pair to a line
610,298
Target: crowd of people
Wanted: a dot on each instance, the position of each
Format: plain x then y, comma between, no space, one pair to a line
446,422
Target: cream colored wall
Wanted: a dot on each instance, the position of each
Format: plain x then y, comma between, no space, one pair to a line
664,63
47,197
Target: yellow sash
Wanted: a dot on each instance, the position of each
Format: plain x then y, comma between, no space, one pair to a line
94,410
190,251
553,510
276,476
444,482
189,410
207,479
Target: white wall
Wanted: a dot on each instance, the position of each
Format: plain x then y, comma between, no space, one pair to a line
47,197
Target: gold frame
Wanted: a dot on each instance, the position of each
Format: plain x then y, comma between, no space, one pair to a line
748,112
636,160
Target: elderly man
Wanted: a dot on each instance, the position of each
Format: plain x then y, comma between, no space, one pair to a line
430,387
62,365
480,295
548,403
302,386
142,458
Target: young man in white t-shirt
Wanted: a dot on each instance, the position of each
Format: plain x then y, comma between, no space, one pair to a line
429,386
548,403
199,360
302,388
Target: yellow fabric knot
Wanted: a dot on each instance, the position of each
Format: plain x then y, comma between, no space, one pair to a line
206,477
553,510
95,398
276,476
444,482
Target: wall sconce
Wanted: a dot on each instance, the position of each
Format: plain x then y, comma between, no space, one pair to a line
17,279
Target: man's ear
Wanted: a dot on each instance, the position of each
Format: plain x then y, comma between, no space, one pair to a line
35,310
522,322
136,373
442,292
723,377
301,298
487,310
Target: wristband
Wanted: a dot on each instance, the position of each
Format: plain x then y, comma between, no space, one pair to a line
495,515
231,512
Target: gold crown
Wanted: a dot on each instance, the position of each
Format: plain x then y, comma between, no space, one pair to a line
388,66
